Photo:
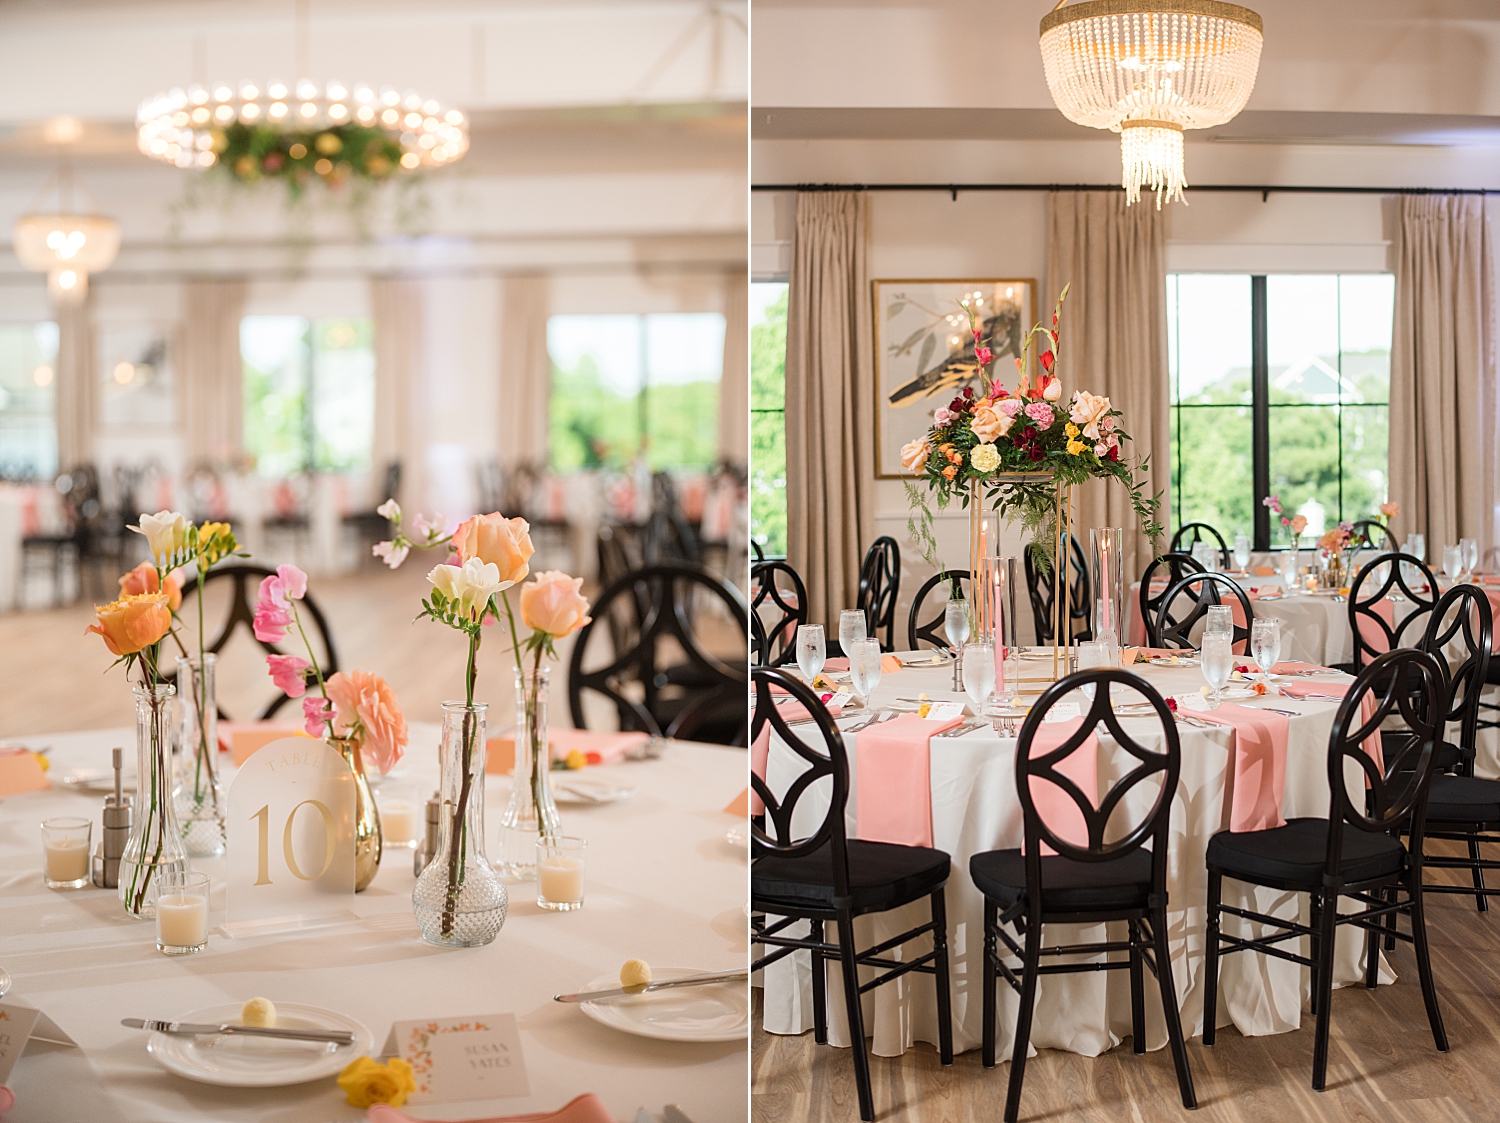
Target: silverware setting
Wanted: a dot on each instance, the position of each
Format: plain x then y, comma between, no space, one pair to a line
960,730
645,988
1284,713
192,1029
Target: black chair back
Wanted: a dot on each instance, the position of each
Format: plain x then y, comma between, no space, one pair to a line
1190,534
1372,534
245,581
1040,588
661,679
1177,566
825,757
1372,633
1188,601
757,553
932,631
879,584
1462,616
780,587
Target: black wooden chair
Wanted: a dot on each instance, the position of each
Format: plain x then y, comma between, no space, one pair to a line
1353,853
1176,567
370,527
1372,634
758,555
1087,881
1040,588
662,679
244,582
777,584
1190,534
932,632
825,878
1187,602
879,585
1372,534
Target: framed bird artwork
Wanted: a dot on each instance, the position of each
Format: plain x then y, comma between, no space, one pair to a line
924,351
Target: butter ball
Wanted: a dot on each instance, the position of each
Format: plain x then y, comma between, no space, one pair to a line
635,973
258,1012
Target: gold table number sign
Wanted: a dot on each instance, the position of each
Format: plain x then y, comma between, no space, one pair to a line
291,839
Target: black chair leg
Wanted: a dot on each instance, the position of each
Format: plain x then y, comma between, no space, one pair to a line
940,965
1137,989
1211,961
1481,899
1424,964
991,950
856,1017
1315,922
1372,948
1323,989
1169,1009
819,984
1029,967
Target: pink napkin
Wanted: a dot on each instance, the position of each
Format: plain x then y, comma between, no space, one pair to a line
1054,806
1291,666
1370,632
587,1108
1259,765
1366,709
889,664
760,749
893,788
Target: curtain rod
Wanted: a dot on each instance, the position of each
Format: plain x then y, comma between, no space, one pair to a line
1264,189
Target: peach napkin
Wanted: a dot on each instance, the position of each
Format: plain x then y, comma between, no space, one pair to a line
889,664
606,747
20,772
739,806
241,739
1259,765
893,780
587,1108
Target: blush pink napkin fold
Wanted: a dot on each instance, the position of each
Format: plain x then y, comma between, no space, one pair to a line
889,664
1054,806
1259,765
760,749
893,780
1290,667
1371,632
587,1108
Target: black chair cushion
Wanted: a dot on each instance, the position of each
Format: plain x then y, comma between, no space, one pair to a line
1297,853
882,876
1463,799
1067,885
1448,756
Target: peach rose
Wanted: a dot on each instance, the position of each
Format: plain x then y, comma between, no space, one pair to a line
134,621
1298,524
1088,410
499,541
554,603
362,701
1390,510
143,579
914,455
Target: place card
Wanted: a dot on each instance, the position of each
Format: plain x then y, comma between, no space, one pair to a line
20,1024
945,711
461,1058
1063,711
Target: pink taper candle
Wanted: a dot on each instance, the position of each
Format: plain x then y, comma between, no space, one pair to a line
999,636
1104,579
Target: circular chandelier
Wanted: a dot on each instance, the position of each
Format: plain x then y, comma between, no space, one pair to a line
66,247
1148,69
302,132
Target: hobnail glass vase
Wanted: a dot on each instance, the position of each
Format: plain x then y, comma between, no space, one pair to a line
531,813
459,900
369,839
155,837
200,794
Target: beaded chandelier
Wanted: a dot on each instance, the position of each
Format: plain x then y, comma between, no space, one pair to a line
1148,69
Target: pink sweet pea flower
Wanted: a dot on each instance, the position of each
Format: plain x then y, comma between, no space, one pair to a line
287,672
293,581
271,620
316,710
271,590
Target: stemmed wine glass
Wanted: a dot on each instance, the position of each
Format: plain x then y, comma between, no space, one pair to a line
1242,553
979,674
1453,562
1220,621
1265,646
1217,662
1289,569
1092,653
864,668
812,650
956,626
851,627
1470,549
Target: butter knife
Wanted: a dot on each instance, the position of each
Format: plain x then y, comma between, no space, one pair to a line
193,1029
666,984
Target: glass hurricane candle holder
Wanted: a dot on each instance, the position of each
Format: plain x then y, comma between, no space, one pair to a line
65,852
559,873
181,912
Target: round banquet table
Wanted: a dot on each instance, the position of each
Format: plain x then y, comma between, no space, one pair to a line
662,883
975,808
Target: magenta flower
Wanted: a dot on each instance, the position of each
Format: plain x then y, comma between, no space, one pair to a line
983,355
316,711
287,672
1041,415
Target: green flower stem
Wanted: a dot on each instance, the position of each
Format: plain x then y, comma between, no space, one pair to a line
313,659
456,865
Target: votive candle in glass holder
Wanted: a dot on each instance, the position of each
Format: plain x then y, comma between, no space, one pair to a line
181,911
559,873
402,816
65,852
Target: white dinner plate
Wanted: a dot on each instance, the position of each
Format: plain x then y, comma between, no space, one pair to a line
1166,661
720,1012
260,1062
98,780
586,792
929,661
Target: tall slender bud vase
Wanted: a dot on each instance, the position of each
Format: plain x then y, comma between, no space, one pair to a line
459,900
155,837
369,839
200,794
531,813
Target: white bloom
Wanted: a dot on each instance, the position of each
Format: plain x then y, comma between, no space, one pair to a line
1053,390
165,531
390,510
423,528
471,587
390,553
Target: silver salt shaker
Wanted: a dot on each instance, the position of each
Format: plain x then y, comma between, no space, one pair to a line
117,817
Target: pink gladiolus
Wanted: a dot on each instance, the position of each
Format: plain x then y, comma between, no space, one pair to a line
316,710
287,672
983,355
271,620
1041,414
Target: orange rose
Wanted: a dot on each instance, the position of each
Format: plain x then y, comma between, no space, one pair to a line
554,603
366,699
143,579
950,472
132,622
498,541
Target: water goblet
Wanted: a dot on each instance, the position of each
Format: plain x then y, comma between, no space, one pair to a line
812,650
1265,646
979,674
1092,654
1289,570
864,668
1242,553
1470,548
1220,621
956,626
1453,562
1217,661
852,626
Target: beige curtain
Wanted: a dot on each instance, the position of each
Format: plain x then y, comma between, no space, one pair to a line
1114,342
77,383
396,307
734,382
525,370
212,372
1443,395
829,374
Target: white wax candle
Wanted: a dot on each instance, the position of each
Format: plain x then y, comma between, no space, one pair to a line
398,821
561,880
182,919
1104,580
67,859
999,637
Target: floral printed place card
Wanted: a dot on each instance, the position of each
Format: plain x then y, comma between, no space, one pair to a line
462,1058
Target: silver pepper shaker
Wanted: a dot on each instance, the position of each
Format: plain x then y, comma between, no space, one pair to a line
434,824
117,819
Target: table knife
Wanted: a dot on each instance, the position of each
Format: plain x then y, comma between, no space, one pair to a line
666,984
191,1029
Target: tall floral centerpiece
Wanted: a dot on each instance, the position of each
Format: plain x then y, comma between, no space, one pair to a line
1332,546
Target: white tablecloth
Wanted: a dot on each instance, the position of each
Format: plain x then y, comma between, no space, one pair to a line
662,884
1314,627
975,808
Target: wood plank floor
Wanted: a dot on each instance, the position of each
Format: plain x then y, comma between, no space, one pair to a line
1382,1064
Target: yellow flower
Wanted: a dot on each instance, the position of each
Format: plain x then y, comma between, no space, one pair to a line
1071,429
367,1081
215,543
1075,447
985,458
576,759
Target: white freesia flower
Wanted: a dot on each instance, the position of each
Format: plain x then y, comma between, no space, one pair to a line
389,510
165,531
471,586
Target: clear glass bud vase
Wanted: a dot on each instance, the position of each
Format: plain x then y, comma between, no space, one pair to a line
155,837
200,794
459,900
369,839
531,813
